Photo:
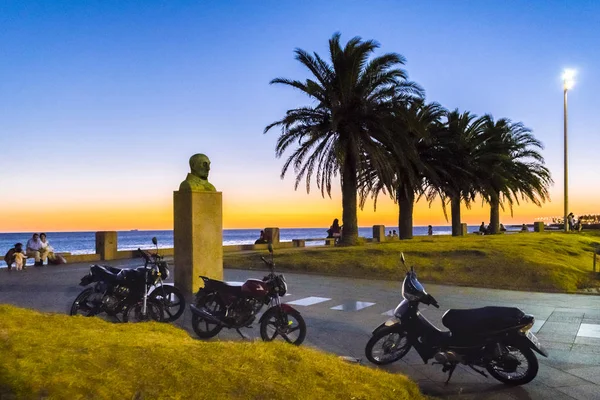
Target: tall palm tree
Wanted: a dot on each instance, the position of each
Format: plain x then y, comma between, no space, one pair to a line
410,153
352,96
457,150
514,167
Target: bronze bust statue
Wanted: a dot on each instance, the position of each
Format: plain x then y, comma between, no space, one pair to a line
197,180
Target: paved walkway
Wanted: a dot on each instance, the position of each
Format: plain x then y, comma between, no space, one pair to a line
341,312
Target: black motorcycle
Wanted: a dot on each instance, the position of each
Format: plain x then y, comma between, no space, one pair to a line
498,339
137,294
219,305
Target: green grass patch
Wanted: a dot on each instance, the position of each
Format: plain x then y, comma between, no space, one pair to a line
549,261
54,356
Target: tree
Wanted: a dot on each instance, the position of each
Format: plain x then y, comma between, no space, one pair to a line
352,97
513,166
457,152
410,154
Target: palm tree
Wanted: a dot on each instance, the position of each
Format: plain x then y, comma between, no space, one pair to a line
514,168
352,96
410,153
457,150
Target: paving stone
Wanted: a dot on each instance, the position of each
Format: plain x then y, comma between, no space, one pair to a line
560,327
582,392
591,374
555,337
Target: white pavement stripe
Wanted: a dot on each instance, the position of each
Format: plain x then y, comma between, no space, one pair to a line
389,313
309,301
353,306
589,330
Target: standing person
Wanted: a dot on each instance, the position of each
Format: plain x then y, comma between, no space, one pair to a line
395,235
35,250
430,230
46,248
16,256
570,221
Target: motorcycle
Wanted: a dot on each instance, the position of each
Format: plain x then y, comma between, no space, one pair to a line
136,293
498,339
220,305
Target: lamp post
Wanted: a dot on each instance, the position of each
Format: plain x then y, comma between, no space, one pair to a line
568,82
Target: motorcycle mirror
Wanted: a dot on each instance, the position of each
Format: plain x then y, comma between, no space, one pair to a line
154,241
270,247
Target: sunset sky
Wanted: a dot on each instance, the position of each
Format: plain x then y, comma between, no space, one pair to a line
103,102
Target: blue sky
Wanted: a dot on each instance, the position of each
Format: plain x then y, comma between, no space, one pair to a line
103,102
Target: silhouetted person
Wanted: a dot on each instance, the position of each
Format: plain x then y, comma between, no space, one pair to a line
502,228
430,230
335,230
262,239
482,228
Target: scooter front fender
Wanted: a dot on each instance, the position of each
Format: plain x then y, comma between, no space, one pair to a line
390,322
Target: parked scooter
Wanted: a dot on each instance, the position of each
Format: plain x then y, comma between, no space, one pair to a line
220,305
498,339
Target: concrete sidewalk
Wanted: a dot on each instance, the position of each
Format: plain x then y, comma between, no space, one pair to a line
341,312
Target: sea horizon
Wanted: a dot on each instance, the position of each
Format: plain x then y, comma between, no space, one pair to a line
84,242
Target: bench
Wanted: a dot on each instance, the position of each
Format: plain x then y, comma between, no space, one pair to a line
302,242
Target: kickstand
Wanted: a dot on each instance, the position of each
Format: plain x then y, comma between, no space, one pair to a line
478,371
242,334
452,368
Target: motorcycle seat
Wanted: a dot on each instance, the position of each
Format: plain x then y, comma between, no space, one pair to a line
485,319
112,274
220,286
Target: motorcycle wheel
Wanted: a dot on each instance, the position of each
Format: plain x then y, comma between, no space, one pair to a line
172,300
521,354
387,345
133,312
288,325
213,304
82,306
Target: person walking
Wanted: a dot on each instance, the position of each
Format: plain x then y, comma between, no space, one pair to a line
430,230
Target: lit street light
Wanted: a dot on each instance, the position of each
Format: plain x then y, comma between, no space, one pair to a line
568,82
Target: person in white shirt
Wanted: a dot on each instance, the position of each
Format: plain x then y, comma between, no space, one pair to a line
36,250
49,250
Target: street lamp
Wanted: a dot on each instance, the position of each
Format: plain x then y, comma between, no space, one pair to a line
568,82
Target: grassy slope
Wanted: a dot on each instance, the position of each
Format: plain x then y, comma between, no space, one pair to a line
60,357
529,261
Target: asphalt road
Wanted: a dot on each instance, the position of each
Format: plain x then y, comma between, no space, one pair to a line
341,312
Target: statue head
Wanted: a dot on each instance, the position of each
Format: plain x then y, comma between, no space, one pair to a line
200,165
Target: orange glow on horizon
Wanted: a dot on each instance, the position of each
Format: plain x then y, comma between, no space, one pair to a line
299,211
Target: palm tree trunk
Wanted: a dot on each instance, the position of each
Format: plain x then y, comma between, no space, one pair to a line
406,202
455,210
494,215
349,203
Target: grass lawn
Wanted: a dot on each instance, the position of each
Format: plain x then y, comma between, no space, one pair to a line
549,261
53,356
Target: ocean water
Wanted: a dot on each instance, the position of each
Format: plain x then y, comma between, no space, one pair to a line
85,242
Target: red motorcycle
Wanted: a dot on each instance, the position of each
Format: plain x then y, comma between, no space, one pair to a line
220,305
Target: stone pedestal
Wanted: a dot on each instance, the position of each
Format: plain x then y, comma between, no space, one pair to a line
198,238
379,233
106,245
272,235
463,229
538,226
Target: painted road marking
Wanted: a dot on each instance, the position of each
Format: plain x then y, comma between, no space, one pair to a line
589,330
353,305
389,313
309,301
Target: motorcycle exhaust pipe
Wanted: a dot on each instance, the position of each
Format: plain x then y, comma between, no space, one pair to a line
202,313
